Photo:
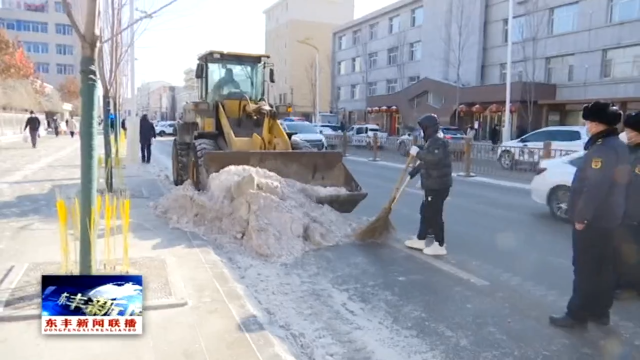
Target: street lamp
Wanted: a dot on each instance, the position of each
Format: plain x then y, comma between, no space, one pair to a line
506,131
316,109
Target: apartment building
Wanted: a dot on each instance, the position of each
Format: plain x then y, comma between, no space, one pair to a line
295,31
46,35
565,53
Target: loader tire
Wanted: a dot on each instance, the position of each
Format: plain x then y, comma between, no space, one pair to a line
300,145
197,172
180,162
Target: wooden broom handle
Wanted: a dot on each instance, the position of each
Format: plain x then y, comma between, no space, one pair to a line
401,180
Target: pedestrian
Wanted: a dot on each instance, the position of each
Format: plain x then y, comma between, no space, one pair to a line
72,125
494,136
147,134
471,132
436,180
33,123
56,126
596,208
628,235
123,126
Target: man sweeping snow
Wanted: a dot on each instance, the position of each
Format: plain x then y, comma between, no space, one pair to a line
436,180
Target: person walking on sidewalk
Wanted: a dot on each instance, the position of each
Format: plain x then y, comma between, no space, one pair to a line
33,123
596,209
436,181
56,126
72,127
147,134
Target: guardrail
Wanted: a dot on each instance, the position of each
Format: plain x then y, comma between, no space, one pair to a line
469,158
12,124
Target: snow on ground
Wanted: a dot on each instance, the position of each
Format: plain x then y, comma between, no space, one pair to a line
260,224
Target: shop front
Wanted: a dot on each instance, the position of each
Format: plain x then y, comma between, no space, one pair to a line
569,112
386,117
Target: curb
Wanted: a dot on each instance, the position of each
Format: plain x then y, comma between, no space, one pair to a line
25,315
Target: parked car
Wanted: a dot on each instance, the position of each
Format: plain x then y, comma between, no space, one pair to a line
362,135
164,128
552,183
527,149
306,132
453,134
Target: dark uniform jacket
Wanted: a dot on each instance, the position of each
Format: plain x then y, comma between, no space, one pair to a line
147,132
33,123
632,209
598,188
435,165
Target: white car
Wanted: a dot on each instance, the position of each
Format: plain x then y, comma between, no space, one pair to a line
527,149
164,128
306,132
362,135
552,183
328,129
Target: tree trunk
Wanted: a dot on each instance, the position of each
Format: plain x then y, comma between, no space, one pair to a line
106,133
88,160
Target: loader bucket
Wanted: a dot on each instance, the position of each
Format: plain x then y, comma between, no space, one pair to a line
321,168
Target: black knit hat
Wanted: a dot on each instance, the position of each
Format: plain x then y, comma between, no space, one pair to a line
605,113
632,121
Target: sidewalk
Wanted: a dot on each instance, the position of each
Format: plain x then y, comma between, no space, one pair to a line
193,309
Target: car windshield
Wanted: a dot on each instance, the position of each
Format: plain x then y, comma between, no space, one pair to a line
235,76
332,127
301,128
374,130
452,132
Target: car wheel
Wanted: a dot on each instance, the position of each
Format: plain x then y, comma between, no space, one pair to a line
506,160
402,149
558,202
161,133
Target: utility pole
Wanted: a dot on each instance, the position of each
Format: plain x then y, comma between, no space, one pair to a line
132,121
506,131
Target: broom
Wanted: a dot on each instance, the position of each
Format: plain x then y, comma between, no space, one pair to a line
381,227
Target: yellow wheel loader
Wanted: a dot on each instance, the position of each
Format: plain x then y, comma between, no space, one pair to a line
231,123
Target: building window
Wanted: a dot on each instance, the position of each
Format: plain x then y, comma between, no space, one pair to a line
621,62
342,93
59,7
415,51
41,7
373,60
520,31
563,19
35,47
413,79
435,100
417,16
342,42
559,69
342,67
355,92
356,64
392,86
30,26
503,73
373,31
372,89
394,24
65,69
64,49
41,68
392,56
356,37
64,29
623,10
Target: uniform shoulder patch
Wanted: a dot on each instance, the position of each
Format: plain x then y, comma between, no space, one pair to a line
599,141
596,163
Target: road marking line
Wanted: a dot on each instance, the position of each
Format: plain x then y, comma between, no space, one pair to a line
6,291
441,265
30,169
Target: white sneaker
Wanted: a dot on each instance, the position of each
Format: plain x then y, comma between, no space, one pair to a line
416,244
435,249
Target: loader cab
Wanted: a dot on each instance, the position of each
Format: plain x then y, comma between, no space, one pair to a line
232,76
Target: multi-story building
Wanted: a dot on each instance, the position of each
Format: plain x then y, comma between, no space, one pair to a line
297,30
46,35
438,56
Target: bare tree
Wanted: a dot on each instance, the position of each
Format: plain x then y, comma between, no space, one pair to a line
529,31
456,39
401,42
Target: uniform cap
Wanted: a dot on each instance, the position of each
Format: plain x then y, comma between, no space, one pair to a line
605,113
428,121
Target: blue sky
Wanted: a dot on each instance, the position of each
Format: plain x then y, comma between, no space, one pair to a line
169,43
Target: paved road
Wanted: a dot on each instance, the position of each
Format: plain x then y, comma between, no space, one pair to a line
509,267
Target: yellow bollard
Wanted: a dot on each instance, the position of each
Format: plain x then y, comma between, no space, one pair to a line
76,227
125,212
64,245
107,230
114,219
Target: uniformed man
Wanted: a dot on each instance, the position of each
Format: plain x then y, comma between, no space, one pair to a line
628,235
596,207
434,168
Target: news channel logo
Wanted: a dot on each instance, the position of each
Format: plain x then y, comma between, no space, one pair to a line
92,304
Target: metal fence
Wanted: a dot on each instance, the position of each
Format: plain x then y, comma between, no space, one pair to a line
469,158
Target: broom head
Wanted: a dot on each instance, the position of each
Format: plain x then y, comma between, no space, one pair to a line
379,229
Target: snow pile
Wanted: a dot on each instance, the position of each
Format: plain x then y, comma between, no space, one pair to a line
273,217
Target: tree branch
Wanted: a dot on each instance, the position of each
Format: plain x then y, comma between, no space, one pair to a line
67,10
146,16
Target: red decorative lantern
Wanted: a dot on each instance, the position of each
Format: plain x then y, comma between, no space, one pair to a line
384,109
393,109
368,110
375,110
477,109
463,109
495,108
